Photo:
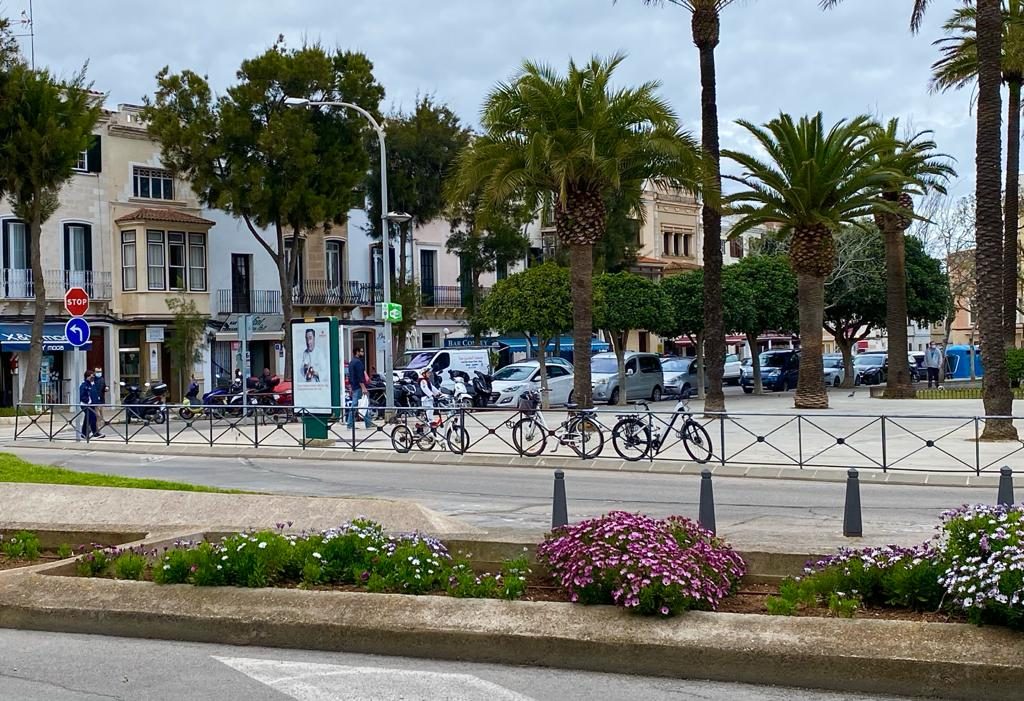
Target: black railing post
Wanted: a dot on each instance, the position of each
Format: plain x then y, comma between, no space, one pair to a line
799,442
51,420
977,447
167,422
884,460
1005,495
706,509
721,436
559,508
256,428
853,526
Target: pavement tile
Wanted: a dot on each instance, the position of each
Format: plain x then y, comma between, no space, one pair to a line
764,472
945,480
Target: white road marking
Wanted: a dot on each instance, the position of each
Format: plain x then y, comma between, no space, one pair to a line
306,681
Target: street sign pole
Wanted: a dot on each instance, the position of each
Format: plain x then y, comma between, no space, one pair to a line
77,332
243,335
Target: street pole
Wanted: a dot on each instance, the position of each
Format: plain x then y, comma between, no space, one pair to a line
385,229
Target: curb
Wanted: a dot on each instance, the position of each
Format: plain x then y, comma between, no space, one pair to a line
869,656
830,474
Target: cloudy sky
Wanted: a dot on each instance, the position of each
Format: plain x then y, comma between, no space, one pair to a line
775,55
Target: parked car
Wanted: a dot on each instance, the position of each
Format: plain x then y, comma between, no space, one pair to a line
644,378
780,370
558,360
440,360
680,375
733,370
835,371
870,368
746,367
511,381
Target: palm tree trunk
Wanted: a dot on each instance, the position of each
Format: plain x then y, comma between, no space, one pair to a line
581,277
705,26
755,362
545,394
998,398
35,349
898,384
810,389
1011,210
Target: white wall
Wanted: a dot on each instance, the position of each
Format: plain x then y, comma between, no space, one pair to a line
230,235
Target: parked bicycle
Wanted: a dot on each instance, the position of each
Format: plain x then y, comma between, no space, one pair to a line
580,431
635,438
449,433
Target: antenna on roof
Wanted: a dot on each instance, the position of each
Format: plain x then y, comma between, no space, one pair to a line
27,22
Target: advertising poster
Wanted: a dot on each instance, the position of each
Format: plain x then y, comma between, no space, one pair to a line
311,365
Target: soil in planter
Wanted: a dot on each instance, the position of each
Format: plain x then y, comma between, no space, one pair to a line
45,555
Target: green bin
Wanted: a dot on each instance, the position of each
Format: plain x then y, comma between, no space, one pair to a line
315,427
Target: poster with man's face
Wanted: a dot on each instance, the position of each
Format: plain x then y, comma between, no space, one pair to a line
311,365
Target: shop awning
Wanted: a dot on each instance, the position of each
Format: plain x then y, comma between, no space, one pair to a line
518,345
17,338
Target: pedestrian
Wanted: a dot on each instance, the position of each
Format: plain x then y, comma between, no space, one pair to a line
357,382
933,361
99,396
85,398
429,392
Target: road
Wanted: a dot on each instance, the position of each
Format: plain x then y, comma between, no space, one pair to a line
61,667
750,512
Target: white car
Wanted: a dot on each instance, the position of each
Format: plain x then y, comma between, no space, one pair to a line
511,381
835,372
733,370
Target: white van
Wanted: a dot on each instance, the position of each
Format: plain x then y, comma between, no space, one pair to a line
441,360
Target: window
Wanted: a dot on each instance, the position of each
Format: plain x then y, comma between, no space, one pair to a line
666,240
155,260
431,340
676,241
300,270
197,262
649,363
78,256
176,260
688,245
631,365
89,160
554,371
333,265
129,278
83,162
17,259
152,183
736,248
427,276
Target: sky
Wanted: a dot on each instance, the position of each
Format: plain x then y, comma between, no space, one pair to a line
774,55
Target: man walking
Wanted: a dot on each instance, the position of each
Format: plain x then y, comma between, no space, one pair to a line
99,395
933,361
85,398
357,381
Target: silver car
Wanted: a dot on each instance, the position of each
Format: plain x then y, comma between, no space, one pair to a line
644,379
835,371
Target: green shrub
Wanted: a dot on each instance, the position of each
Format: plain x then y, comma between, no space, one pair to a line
23,545
64,551
129,565
1015,364
93,564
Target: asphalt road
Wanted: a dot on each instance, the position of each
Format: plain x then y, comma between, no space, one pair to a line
60,667
749,511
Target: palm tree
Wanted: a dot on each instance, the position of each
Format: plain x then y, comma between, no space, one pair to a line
705,26
920,169
958,68
575,139
916,14
812,183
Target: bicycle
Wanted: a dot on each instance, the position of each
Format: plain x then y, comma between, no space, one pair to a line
634,438
580,430
450,433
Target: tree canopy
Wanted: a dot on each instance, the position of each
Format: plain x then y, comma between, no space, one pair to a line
535,301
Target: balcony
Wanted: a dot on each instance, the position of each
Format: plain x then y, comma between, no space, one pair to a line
17,283
314,292
450,296
248,302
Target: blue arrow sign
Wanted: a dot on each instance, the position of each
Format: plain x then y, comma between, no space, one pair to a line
78,332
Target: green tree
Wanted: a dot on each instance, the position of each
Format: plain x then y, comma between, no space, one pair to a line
958,68
536,303
918,170
576,140
628,302
811,183
275,167
185,338
705,27
422,147
685,293
45,123
760,293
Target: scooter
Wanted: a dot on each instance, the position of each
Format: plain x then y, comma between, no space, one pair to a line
149,407
463,393
211,404
482,387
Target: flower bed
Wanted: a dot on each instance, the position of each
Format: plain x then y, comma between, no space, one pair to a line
357,555
23,548
653,566
973,568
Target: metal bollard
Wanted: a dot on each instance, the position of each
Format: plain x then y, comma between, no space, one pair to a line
1005,495
559,510
706,510
852,524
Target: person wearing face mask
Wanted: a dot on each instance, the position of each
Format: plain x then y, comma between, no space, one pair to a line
99,395
85,398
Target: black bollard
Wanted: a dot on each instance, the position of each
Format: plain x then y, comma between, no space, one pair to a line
559,510
852,524
1005,495
706,510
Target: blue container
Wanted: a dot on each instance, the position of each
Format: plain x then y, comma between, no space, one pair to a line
958,362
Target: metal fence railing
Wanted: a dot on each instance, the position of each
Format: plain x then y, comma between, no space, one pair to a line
791,440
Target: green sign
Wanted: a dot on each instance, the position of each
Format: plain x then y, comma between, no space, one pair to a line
390,312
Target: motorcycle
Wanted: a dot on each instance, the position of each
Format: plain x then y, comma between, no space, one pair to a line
212,403
482,388
463,393
149,407
407,400
234,408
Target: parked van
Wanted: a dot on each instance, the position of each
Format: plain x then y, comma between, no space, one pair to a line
644,379
441,360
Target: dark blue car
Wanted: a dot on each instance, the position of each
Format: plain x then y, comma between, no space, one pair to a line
780,370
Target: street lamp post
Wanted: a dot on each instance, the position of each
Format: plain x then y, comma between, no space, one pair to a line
386,218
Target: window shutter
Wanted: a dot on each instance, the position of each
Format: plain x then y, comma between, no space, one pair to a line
95,157
67,247
88,248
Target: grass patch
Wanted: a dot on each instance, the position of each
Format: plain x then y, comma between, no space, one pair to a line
14,469
9,411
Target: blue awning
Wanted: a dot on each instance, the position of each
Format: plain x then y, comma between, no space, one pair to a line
17,338
518,344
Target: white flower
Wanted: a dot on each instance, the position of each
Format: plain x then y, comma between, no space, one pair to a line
167,567
219,567
318,556
225,557
263,545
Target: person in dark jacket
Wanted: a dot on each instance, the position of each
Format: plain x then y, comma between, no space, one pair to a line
357,381
85,398
99,394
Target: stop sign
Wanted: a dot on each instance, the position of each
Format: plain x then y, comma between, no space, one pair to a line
76,301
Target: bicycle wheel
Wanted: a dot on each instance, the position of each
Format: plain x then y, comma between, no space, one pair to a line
631,439
401,439
697,441
585,437
529,437
457,438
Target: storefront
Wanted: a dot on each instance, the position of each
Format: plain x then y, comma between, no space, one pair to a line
265,347
55,381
